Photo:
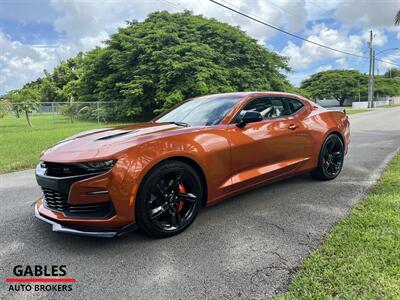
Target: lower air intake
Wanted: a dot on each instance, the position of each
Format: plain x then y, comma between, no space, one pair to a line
56,201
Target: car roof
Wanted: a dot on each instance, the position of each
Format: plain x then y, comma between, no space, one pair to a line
247,94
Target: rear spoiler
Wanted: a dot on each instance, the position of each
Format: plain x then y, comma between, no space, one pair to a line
342,109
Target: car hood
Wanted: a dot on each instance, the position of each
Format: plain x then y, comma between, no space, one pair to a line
107,142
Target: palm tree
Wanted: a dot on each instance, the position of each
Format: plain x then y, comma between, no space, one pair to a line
397,18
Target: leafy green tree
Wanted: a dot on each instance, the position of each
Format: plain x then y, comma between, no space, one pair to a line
72,110
49,92
149,66
392,73
397,18
61,84
24,101
5,108
70,92
337,84
386,86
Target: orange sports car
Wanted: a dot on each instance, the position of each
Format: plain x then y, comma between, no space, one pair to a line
157,175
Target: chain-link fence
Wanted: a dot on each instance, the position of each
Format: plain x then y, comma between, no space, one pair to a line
59,113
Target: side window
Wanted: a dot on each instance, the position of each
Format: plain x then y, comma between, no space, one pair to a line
259,104
268,107
278,108
262,105
294,105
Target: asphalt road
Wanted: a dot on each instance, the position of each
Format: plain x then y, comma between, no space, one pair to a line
246,247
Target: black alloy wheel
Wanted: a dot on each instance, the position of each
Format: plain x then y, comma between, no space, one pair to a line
330,159
169,199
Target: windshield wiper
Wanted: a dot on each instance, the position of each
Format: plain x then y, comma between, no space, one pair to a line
180,123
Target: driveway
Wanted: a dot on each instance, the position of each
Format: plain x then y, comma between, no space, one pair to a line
246,247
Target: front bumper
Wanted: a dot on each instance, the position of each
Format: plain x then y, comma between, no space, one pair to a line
74,204
104,234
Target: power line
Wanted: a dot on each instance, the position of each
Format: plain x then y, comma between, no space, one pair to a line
283,9
387,62
294,35
250,14
284,31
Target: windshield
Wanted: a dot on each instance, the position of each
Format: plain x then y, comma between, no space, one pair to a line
209,110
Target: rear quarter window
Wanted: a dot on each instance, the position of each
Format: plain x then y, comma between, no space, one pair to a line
294,105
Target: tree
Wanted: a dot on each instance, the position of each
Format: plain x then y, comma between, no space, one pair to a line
72,110
386,86
397,18
24,101
57,85
49,92
338,84
5,108
392,73
149,66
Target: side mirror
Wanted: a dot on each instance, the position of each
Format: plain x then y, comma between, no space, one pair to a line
250,116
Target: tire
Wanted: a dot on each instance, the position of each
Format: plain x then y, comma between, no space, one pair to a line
169,199
330,160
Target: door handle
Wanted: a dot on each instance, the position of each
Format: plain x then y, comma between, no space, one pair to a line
293,126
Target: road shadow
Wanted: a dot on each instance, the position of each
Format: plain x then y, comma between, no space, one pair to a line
137,237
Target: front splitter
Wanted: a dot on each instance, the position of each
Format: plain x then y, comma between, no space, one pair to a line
104,234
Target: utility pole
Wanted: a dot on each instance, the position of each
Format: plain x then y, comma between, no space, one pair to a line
373,79
371,71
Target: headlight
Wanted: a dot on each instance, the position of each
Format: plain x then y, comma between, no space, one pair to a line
97,165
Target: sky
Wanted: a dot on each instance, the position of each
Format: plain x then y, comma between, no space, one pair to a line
37,34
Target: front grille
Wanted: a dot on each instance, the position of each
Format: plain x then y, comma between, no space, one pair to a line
64,170
58,202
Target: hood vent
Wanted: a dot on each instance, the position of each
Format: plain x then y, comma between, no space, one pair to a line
114,135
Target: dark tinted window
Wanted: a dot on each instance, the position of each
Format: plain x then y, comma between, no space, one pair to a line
259,105
294,105
208,110
269,107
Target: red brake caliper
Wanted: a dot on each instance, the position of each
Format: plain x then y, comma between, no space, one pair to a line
181,190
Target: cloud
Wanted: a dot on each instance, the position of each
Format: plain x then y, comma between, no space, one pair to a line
84,19
297,77
391,58
370,14
306,54
87,18
90,42
320,9
85,24
28,11
324,68
379,38
20,63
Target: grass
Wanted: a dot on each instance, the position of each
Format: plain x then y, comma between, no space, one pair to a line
356,111
388,106
20,145
360,258
351,111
